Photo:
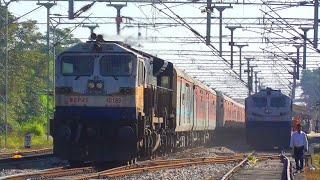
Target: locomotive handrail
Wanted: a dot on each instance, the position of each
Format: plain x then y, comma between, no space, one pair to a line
160,87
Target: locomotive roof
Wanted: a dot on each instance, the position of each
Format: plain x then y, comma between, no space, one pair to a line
264,92
105,47
120,47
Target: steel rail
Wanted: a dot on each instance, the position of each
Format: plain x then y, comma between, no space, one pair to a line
236,168
52,173
287,170
159,165
153,165
25,153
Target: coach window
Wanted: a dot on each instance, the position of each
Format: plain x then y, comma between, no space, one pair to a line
141,73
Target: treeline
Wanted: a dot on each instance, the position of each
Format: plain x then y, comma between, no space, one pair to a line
28,75
310,84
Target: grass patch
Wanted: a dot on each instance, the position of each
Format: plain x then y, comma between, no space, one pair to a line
314,175
252,160
15,142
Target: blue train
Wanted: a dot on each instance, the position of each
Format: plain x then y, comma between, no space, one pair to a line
268,119
115,103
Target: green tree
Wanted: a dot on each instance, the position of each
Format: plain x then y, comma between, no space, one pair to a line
27,69
310,83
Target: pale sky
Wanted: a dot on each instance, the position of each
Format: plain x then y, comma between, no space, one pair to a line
205,67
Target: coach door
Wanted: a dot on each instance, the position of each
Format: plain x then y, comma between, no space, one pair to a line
188,103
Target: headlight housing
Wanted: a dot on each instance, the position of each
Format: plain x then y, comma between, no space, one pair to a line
90,85
99,85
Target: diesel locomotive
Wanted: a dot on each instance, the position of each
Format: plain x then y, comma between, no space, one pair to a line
116,103
268,119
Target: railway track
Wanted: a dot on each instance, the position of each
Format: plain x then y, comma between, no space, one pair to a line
141,167
51,173
274,167
25,155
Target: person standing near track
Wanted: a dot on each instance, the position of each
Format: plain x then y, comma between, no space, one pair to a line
299,143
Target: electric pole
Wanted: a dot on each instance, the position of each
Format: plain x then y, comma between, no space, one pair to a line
221,9
232,28
209,11
305,31
297,62
48,5
6,68
240,46
256,81
249,79
118,18
294,82
91,27
316,23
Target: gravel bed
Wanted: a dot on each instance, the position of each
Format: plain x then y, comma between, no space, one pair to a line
8,172
211,171
200,152
30,166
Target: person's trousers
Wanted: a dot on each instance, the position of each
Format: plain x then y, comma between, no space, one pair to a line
298,157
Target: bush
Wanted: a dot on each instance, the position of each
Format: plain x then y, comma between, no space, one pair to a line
16,142
35,128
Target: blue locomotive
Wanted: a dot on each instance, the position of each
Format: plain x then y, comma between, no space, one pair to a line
116,103
268,119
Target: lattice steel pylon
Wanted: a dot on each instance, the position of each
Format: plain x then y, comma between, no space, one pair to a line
4,71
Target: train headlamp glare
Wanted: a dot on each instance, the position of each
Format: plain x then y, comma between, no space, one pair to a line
91,85
99,85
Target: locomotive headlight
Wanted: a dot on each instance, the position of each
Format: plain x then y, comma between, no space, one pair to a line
99,85
91,85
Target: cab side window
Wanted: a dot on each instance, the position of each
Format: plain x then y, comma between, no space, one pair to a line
165,82
141,73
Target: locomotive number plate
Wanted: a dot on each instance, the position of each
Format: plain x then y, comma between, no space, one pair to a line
113,100
77,100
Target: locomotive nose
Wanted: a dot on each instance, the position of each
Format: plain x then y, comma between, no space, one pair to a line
64,132
91,132
125,133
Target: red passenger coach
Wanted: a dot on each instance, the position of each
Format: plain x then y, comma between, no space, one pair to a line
212,109
201,108
230,114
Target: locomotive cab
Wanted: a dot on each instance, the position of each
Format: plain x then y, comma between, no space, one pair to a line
111,101
99,94
268,119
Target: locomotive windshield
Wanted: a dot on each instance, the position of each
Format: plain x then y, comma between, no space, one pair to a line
77,65
260,102
278,102
116,65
